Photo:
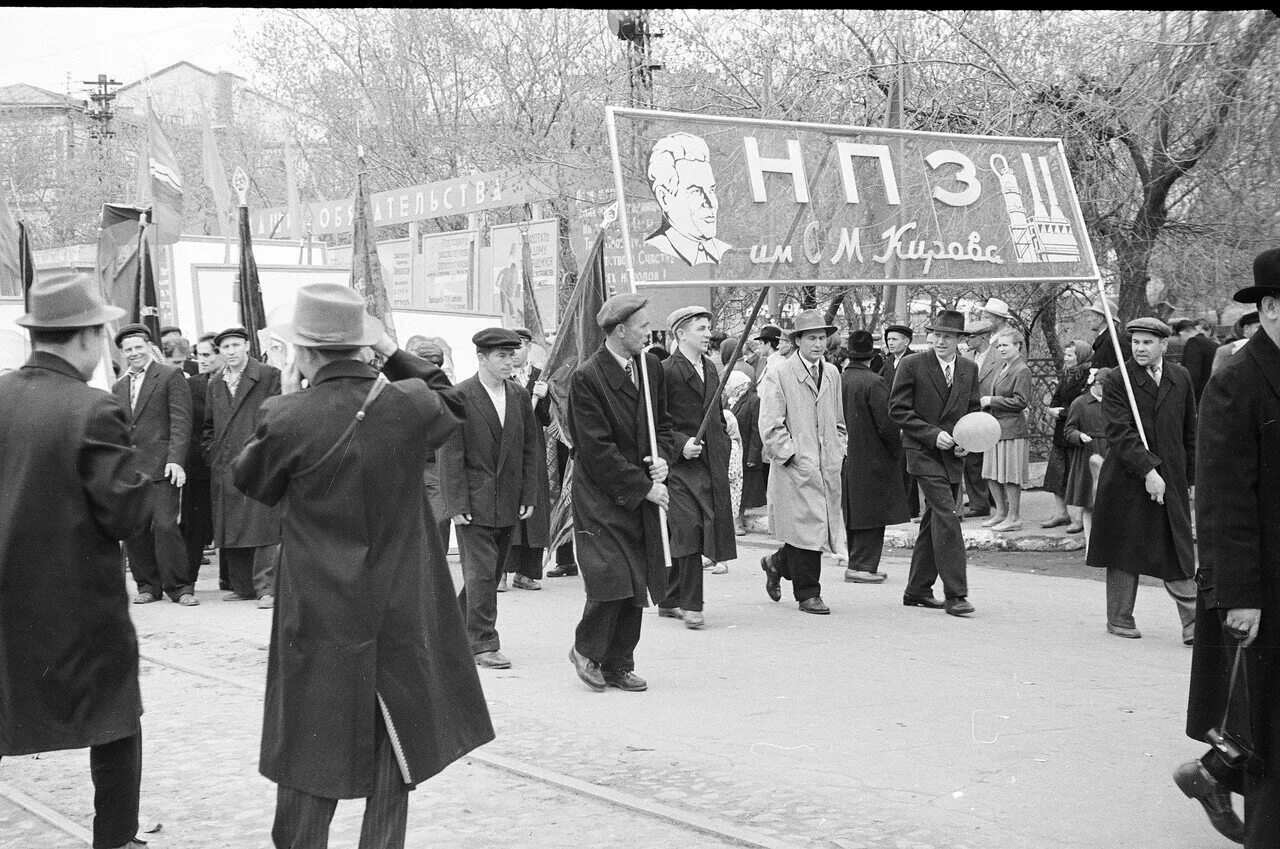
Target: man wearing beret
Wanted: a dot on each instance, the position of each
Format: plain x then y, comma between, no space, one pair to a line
246,532
701,516
489,483
1238,602
73,489
617,491
1142,512
158,402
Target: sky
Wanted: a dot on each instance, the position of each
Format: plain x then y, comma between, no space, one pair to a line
41,45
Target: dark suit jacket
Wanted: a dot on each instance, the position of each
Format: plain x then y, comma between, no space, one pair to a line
229,424
196,467
534,532
160,424
923,407
1197,359
890,368
489,468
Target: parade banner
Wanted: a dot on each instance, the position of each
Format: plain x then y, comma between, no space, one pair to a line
448,267
732,201
507,241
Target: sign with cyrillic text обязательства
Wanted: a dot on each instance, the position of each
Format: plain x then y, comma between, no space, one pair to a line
456,196
746,202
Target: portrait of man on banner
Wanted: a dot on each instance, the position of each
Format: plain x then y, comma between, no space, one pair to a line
684,186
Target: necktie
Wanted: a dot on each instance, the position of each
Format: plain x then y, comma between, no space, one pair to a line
817,374
1154,368
631,374
135,384
946,372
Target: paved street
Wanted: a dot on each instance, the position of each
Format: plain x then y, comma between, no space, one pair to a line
878,726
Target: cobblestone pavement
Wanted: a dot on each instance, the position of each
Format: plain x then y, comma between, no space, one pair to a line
878,726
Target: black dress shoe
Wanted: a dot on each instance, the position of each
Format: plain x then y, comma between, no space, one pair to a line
772,580
815,605
1195,781
958,606
588,670
628,681
922,601
974,514
563,570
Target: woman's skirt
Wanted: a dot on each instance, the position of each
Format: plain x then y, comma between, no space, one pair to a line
1055,473
1080,476
1007,462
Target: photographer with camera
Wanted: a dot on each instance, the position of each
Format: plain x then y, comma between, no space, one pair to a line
1234,704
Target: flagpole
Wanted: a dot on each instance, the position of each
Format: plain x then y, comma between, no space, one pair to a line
1124,371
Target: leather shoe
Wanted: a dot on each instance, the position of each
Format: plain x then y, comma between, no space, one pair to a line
814,605
922,601
1196,782
502,583
563,570
693,619
772,580
1130,633
1075,528
232,595
145,598
1056,522
670,613
492,660
628,681
267,602
974,514
958,606
523,582
860,576
188,600
588,670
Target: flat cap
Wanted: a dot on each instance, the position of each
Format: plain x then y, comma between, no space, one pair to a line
133,330
680,316
618,309
165,331
229,333
523,333
496,337
900,328
1150,324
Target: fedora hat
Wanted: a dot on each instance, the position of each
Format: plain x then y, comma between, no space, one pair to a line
1096,306
769,333
808,321
860,345
1266,278
979,327
66,301
998,308
947,321
330,315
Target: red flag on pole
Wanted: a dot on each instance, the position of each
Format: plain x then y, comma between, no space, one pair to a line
164,183
214,175
366,269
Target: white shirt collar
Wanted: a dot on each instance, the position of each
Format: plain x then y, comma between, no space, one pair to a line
621,361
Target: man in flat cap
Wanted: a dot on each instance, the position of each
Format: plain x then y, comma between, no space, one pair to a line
371,688
617,490
530,536
171,339
158,402
1239,577
246,532
1142,512
489,483
73,489
700,521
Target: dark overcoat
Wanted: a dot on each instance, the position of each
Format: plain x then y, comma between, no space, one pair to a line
196,467
923,406
755,472
1197,359
535,531
1073,383
160,423
1238,534
617,539
365,619
699,487
1130,531
1104,353
873,493
489,467
72,489
229,424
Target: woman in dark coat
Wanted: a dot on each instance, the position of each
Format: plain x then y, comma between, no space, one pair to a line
1086,435
755,481
875,444
1071,385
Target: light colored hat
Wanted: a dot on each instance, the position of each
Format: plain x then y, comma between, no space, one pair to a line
1096,306
998,308
807,321
680,316
67,301
330,315
978,328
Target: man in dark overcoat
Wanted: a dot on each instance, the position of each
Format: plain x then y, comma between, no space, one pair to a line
1142,512
897,344
246,532
617,490
73,489
530,536
931,391
1197,351
701,515
1238,534
1104,352
873,492
197,512
371,688
159,409
489,482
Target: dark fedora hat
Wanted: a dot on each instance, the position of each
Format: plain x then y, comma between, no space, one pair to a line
1266,278
947,321
769,333
133,330
67,300
860,345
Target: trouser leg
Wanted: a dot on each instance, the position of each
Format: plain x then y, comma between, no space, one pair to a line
564,554
196,525
1261,811
621,655
910,486
141,550
1184,593
1230,777
1122,594
944,555
386,812
524,560
684,583
805,568
980,498
302,820
482,552
239,570
593,637
171,551
865,547
117,783
265,558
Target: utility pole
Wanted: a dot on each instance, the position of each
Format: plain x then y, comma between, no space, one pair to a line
632,26
101,111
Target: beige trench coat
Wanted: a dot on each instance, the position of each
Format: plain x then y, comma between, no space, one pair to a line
798,419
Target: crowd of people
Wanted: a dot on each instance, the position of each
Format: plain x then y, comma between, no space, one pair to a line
330,482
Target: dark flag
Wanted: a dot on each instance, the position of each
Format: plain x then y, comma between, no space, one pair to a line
253,315
117,263
26,263
366,269
145,309
532,315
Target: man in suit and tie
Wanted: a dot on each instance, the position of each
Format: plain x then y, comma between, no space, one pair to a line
529,539
983,355
159,408
489,480
897,343
931,391
197,512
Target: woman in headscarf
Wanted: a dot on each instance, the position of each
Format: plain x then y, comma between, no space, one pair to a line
744,404
1071,385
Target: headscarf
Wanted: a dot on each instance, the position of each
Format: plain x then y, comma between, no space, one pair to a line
735,386
1084,351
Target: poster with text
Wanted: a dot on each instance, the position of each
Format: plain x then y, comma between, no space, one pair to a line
447,263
